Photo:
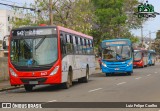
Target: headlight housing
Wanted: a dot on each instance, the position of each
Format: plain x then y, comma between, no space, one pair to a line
12,72
54,71
131,62
103,64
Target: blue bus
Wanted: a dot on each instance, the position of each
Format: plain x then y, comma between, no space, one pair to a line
117,56
151,57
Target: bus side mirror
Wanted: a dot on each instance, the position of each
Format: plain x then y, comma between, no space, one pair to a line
4,45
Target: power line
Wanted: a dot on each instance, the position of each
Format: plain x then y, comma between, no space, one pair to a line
11,1
14,6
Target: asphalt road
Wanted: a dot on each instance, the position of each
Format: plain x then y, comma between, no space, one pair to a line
142,86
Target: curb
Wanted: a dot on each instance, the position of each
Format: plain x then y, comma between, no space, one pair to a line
10,88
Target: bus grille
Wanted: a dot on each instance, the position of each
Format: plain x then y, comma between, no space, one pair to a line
40,80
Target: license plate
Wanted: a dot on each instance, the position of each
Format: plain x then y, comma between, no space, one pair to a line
33,82
116,68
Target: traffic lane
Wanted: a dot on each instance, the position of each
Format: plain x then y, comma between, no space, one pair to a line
111,109
56,93
136,89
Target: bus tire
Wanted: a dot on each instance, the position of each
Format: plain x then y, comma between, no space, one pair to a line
108,74
68,84
28,87
86,78
129,73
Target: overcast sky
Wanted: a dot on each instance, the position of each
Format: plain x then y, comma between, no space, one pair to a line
152,25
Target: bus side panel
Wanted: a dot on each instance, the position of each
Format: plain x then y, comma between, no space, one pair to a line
78,64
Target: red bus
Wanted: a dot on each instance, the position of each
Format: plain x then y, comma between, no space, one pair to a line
49,55
140,58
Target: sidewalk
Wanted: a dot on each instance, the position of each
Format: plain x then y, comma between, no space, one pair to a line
5,85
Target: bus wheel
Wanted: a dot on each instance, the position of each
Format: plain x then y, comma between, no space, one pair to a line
68,84
129,73
108,74
28,88
86,78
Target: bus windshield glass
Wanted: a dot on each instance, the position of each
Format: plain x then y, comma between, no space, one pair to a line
38,51
116,53
137,55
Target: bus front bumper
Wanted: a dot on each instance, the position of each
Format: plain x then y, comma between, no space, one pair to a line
127,69
138,64
35,80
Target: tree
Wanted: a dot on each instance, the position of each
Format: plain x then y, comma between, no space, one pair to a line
156,46
158,35
114,19
68,13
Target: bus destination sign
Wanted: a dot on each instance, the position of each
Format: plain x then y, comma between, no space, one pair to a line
34,32
116,43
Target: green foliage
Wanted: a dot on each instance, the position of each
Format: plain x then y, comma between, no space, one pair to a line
156,46
158,35
68,13
114,19
103,19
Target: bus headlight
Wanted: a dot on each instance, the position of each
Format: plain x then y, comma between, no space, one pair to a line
12,72
103,64
129,63
54,71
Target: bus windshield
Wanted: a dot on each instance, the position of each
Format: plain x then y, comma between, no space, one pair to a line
116,53
41,50
137,55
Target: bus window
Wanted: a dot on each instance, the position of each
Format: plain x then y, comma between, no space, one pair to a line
71,39
69,45
79,45
75,45
84,47
88,47
62,42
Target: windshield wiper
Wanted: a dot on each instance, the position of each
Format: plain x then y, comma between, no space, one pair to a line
26,43
40,42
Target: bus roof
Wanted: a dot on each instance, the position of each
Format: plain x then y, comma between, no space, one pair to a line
74,32
112,40
59,28
115,42
33,27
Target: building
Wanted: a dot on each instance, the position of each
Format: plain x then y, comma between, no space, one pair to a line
6,18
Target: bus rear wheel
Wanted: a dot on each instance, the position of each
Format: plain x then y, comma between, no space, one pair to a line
68,84
28,88
86,78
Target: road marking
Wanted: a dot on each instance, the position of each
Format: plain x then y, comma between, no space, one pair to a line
94,89
121,83
149,75
52,101
138,78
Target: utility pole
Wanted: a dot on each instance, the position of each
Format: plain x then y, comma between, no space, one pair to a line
142,35
150,40
50,12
